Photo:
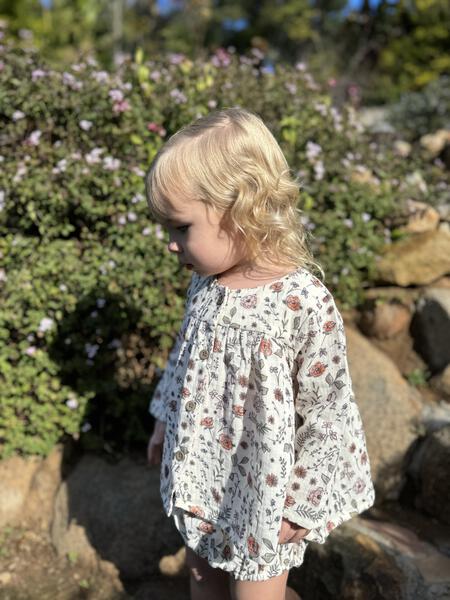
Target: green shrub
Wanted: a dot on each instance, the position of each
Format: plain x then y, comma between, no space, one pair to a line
90,298
419,113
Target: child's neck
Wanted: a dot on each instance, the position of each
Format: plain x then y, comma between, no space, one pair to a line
261,273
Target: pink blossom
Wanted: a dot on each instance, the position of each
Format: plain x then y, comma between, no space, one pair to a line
221,58
17,115
137,171
100,76
155,128
34,138
120,107
70,81
176,58
312,151
93,157
116,95
111,164
178,96
38,74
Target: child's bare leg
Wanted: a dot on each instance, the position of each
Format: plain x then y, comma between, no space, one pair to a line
271,589
292,594
205,582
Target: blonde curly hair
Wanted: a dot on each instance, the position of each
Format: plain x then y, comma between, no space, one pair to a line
231,161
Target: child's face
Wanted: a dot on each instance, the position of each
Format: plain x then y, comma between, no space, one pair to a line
198,238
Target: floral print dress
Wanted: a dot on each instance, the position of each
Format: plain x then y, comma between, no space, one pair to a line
261,422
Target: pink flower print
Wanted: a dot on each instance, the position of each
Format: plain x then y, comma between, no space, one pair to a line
330,526
293,302
225,441
217,346
315,496
329,326
317,369
206,527
265,347
316,282
197,511
271,480
243,380
207,422
277,286
253,546
278,394
352,447
336,359
300,472
238,410
216,496
326,298
359,486
289,502
249,301
364,458
185,392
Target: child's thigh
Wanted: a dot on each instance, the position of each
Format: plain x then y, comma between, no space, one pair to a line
202,572
271,589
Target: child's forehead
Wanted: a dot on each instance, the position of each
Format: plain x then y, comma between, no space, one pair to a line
177,208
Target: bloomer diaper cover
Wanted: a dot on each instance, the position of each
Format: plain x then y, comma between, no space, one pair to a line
213,544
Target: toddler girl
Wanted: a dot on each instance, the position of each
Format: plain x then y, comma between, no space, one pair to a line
261,440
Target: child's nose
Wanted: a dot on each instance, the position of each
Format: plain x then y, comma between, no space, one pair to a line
173,246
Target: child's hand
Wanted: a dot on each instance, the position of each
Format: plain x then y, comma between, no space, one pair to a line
155,443
290,532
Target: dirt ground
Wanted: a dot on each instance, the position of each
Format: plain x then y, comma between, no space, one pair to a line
31,570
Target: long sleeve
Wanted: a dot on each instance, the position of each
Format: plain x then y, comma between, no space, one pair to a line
158,403
330,480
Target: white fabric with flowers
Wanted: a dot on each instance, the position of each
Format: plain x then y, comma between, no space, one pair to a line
261,420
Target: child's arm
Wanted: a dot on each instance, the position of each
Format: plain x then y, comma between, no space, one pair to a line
290,532
155,444
330,479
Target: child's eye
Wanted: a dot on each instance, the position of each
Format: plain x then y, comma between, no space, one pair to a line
182,228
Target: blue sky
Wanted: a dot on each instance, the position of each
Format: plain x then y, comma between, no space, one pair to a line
166,4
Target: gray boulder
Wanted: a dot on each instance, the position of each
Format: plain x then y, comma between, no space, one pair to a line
113,512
